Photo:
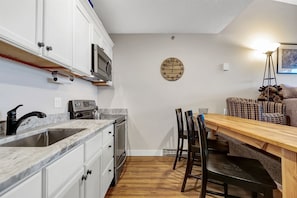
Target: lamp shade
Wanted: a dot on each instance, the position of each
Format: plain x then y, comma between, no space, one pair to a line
265,46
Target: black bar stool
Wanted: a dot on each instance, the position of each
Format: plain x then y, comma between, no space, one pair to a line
238,171
182,135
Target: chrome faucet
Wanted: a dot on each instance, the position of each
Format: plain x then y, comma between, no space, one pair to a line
12,123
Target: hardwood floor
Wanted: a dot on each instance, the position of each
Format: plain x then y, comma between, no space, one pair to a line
154,177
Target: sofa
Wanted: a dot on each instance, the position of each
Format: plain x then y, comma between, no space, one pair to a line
267,111
289,95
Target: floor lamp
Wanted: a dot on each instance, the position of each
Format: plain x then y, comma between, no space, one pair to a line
269,71
269,83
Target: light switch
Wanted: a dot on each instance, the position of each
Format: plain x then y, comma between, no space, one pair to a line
226,66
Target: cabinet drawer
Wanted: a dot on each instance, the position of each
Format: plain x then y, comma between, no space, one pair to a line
107,153
107,133
93,146
58,173
107,177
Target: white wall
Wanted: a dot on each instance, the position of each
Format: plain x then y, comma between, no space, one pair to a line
22,84
151,100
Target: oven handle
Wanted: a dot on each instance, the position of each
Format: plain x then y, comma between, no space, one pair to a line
122,163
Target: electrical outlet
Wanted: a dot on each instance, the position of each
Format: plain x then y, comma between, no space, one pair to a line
58,102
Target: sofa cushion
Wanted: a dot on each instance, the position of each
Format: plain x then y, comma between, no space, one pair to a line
276,118
288,92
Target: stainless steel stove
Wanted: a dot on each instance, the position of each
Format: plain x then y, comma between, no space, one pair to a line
87,109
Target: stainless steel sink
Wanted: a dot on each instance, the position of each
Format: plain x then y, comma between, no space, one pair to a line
46,138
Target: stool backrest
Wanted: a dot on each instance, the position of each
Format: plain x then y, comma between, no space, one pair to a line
202,136
192,136
180,122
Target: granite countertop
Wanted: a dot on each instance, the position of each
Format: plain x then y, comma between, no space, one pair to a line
17,163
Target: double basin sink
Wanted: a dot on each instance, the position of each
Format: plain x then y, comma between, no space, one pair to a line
43,139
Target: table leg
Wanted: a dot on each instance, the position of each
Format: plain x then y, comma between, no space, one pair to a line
289,173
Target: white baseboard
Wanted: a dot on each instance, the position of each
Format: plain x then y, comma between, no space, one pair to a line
145,152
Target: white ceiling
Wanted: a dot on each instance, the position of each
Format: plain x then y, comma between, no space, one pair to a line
169,16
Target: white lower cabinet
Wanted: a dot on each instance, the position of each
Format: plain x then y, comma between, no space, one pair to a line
107,159
93,180
31,187
59,175
93,150
84,172
107,176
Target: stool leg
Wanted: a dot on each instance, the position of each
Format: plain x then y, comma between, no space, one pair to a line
187,172
226,190
203,187
177,151
181,148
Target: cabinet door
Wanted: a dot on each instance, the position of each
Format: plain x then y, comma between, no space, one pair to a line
107,177
101,38
107,48
92,183
21,23
107,153
58,31
31,187
58,174
82,40
97,36
73,188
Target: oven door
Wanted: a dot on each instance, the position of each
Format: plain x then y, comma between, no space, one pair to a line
120,149
120,142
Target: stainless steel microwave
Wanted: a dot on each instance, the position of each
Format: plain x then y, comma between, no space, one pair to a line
101,64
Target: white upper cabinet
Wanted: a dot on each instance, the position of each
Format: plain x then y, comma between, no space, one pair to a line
107,46
21,23
99,35
101,38
58,31
82,40
42,27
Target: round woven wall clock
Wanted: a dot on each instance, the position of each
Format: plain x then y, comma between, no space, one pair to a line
172,69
